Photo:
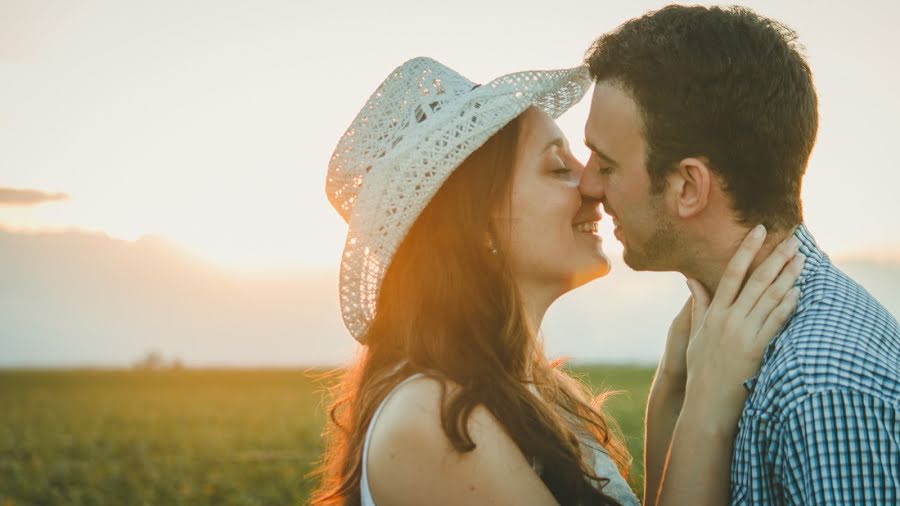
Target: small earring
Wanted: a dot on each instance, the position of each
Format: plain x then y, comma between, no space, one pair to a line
491,246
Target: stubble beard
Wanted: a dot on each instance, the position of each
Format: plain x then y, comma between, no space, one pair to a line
658,252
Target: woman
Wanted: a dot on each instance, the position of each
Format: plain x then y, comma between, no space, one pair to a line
466,223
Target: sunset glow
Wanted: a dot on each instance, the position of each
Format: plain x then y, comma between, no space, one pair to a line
217,136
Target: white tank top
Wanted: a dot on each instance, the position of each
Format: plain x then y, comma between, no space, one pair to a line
617,488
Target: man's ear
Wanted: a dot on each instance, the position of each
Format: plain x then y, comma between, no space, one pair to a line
689,186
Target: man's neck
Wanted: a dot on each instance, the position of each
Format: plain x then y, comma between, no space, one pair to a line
713,253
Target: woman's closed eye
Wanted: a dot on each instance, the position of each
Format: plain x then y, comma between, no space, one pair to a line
570,177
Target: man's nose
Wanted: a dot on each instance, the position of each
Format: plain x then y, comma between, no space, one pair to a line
592,184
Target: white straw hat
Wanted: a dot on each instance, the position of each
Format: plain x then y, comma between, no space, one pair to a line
418,126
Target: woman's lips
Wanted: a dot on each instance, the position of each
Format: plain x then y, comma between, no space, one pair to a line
589,227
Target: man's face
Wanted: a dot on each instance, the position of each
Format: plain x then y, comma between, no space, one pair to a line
616,175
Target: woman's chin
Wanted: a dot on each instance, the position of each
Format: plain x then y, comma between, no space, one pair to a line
598,268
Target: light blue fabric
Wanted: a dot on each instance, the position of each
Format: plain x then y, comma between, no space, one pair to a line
821,425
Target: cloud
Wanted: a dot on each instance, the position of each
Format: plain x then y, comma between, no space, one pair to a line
22,197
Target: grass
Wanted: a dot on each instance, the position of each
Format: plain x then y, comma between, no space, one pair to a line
230,437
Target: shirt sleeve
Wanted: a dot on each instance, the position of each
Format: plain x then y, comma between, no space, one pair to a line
840,448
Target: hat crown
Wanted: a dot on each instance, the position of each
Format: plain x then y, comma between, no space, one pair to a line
397,113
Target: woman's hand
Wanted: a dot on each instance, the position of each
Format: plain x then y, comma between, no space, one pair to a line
730,334
732,331
671,374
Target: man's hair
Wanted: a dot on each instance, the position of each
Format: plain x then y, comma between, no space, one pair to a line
725,84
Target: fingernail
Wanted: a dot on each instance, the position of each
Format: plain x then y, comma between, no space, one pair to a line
759,231
795,243
689,285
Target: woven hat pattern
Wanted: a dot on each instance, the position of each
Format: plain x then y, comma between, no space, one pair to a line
417,127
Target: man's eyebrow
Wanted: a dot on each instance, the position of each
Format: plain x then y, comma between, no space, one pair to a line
608,159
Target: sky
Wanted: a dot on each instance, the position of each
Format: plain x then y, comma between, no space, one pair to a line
210,123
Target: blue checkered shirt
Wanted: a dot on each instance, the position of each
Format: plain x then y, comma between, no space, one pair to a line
822,422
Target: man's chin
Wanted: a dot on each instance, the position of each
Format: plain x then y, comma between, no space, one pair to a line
637,262
642,263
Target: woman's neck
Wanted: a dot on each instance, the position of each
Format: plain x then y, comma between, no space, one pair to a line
535,302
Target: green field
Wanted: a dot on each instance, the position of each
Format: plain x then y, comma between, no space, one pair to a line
230,437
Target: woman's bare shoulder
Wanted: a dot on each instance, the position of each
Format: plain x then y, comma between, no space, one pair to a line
411,460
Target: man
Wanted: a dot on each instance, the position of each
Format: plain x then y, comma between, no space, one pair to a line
701,125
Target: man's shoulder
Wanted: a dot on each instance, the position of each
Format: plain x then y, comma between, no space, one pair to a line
840,338
829,291
838,319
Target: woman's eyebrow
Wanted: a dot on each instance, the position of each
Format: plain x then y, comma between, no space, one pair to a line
557,141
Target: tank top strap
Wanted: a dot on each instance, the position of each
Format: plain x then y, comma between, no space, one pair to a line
364,480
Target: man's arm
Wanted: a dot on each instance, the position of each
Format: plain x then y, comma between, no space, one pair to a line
840,447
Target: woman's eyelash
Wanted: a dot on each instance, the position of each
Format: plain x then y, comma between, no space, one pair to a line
564,173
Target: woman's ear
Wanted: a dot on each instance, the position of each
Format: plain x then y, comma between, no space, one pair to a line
689,186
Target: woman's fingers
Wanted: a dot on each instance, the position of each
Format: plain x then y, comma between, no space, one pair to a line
777,318
673,365
700,298
681,325
680,329
775,293
763,277
737,267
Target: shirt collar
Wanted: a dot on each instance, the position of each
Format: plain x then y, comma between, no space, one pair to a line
814,258
809,248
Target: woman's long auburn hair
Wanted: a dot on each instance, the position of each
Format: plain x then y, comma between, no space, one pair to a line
450,308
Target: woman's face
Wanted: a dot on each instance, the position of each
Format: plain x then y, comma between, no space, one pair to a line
552,232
